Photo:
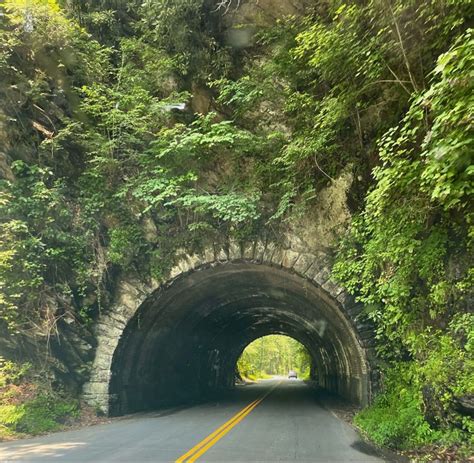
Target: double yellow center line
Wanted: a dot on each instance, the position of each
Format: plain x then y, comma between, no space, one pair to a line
193,454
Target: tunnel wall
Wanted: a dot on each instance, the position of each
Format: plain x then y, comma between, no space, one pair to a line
132,294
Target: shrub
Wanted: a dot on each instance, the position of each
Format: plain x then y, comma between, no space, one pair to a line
396,418
29,407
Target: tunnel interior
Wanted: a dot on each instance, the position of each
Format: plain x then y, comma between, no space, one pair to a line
184,341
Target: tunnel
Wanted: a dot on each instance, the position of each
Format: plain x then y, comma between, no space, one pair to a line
184,341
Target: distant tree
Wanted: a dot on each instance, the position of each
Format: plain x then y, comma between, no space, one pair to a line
274,355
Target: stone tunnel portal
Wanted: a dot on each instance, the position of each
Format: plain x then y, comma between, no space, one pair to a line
184,341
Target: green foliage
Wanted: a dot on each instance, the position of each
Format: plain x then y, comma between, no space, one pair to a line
105,173
333,82
104,153
391,248
43,414
185,30
26,407
449,173
243,94
70,59
274,355
39,246
396,417
11,373
408,256
125,243
232,208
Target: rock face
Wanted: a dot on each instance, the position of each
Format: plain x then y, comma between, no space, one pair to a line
261,12
75,348
319,228
242,18
465,405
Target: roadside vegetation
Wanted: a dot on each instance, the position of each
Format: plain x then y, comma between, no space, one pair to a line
29,404
274,355
100,175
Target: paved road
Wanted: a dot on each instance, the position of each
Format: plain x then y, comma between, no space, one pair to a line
289,424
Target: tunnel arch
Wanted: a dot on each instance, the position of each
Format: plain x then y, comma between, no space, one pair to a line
172,342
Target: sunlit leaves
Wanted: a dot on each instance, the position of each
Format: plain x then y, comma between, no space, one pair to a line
231,207
408,255
449,146
274,355
38,247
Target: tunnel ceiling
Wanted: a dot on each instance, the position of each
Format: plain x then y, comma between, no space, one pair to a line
184,340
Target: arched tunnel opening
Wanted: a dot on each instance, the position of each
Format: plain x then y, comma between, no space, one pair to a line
184,341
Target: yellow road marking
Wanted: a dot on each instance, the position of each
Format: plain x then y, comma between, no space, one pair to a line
222,434
202,447
212,435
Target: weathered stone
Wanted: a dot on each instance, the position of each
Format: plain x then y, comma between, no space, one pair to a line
248,251
103,361
294,242
259,251
366,334
318,227
304,263
150,231
465,404
102,376
195,261
354,310
154,285
277,256
110,332
116,319
221,255
319,264
107,351
209,255
368,342
234,250
371,354
363,325
332,288
322,276
345,299
268,253
289,259
96,388
201,99
127,295
174,272
184,264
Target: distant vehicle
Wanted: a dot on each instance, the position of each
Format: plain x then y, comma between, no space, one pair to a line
292,374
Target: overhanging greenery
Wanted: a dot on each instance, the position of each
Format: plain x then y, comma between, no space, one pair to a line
103,176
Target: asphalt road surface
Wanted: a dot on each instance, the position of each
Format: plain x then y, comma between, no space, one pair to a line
266,422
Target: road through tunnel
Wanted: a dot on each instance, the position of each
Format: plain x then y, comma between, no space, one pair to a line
184,341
